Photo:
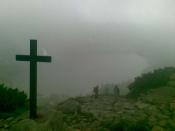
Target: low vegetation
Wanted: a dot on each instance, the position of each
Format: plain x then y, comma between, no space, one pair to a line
125,125
11,99
151,80
153,111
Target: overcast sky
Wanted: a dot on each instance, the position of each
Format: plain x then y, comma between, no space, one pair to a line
91,41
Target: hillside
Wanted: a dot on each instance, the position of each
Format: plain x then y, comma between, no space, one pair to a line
155,111
151,111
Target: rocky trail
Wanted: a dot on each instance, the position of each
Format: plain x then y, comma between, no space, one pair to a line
154,111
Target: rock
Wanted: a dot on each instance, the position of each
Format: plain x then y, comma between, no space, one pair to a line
162,123
87,111
140,115
127,106
6,126
157,128
54,123
4,129
172,123
152,110
9,119
161,116
1,123
152,121
70,106
25,125
172,106
171,83
172,77
141,105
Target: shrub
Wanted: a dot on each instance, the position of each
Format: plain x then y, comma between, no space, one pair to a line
11,99
147,81
125,125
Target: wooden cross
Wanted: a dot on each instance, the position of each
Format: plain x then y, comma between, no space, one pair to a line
33,58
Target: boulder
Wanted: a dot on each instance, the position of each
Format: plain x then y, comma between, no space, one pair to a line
157,128
54,123
25,125
172,106
171,83
70,106
141,105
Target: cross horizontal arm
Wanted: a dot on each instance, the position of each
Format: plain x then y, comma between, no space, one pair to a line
33,58
43,58
23,58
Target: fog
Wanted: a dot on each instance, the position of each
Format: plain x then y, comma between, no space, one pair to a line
91,42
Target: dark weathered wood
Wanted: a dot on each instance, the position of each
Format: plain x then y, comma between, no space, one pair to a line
33,58
33,80
36,58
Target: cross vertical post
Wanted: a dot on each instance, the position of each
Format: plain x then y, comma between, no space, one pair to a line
33,58
33,79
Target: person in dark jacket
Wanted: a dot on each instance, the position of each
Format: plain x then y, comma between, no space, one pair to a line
96,91
116,92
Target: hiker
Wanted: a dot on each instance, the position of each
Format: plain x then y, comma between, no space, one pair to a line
96,91
116,92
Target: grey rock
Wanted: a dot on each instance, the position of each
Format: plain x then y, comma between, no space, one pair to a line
157,128
70,106
25,125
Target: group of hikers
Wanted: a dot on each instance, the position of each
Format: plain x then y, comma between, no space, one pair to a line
116,91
